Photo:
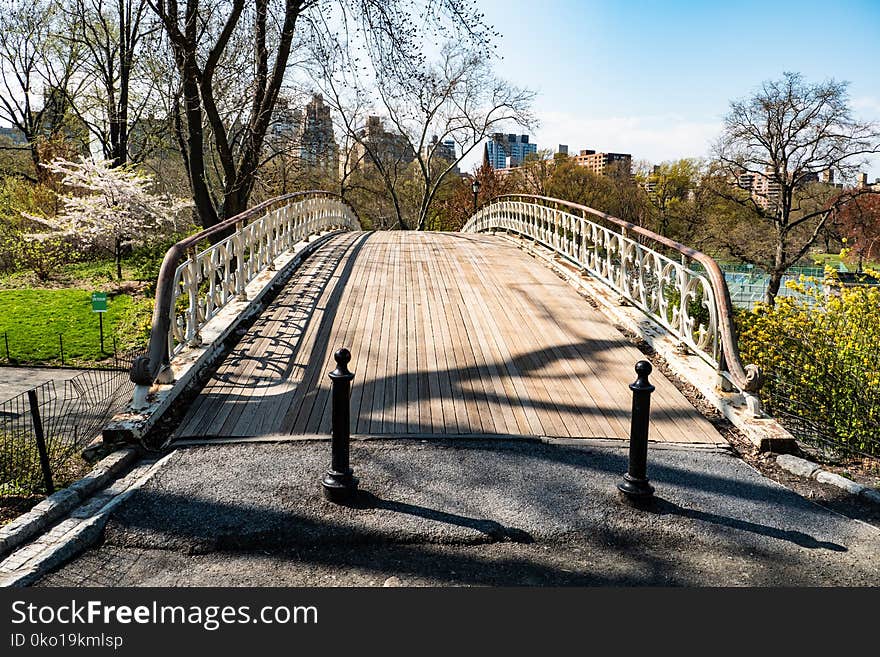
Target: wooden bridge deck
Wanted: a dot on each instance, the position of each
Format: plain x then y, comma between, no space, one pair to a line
450,334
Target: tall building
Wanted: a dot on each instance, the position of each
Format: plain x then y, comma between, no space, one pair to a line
506,150
314,138
765,191
389,147
306,133
286,121
441,150
600,163
863,182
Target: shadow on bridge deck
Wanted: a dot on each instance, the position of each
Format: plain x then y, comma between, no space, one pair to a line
450,334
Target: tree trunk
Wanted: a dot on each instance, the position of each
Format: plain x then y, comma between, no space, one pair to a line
118,254
773,285
778,269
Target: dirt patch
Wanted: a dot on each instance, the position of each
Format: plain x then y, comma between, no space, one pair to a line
14,505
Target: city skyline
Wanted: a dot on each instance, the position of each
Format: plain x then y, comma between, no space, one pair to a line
655,80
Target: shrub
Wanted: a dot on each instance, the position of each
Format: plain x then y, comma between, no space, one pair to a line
820,355
43,257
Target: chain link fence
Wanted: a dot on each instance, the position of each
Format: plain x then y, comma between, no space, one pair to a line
43,429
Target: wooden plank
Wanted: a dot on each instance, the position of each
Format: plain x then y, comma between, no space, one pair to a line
532,354
498,338
443,280
231,386
315,390
362,394
346,332
440,382
415,346
467,295
576,402
430,401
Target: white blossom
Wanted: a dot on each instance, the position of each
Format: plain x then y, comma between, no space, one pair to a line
107,207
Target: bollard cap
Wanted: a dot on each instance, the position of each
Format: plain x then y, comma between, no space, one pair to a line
342,357
643,369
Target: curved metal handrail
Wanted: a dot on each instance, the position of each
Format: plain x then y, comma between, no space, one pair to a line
745,377
174,269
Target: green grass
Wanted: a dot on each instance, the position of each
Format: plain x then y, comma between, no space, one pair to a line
32,320
831,259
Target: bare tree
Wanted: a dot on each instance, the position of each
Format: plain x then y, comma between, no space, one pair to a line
37,71
456,99
217,43
202,35
773,148
114,34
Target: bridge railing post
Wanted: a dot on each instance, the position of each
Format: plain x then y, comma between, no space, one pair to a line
338,482
635,484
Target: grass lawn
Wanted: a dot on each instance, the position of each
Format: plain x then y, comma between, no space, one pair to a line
32,320
831,259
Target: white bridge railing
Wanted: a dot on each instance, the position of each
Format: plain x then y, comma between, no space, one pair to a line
649,271
194,285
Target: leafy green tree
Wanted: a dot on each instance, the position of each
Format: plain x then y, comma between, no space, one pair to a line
672,189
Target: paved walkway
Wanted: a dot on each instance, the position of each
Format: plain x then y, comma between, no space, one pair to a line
463,512
16,380
450,334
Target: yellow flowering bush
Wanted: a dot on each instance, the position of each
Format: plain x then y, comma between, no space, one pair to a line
820,353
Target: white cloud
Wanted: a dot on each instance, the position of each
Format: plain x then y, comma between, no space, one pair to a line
867,106
652,138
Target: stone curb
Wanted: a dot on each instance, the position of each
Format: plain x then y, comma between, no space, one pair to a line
62,502
79,531
805,468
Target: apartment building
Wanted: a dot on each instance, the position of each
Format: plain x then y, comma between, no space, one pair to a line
601,163
508,150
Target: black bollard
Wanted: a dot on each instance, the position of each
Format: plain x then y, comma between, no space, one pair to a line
635,482
339,483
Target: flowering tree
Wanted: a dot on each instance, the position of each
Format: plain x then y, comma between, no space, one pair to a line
108,208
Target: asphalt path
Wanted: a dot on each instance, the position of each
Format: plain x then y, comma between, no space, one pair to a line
469,512
16,380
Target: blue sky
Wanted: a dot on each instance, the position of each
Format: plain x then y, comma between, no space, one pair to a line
655,78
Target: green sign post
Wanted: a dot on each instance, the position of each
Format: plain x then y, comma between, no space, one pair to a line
99,302
99,305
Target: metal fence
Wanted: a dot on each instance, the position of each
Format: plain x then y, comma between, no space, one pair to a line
43,429
14,354
748,285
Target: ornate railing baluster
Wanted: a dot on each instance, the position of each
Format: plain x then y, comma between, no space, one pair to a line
668,290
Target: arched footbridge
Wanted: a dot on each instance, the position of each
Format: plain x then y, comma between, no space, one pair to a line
506,327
